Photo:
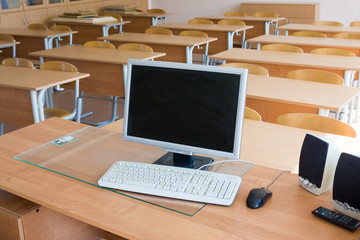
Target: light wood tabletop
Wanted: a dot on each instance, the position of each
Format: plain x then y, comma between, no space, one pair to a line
308,43
328,30
273,96
177,48
20,87
287,215
280,63
223,33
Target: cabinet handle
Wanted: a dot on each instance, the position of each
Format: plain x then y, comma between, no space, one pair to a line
24,20
28,20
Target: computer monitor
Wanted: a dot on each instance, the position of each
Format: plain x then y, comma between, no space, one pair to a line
186,109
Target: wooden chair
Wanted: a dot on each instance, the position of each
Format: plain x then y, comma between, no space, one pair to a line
316,123
99,44
135,47
235,14
18,62
193,33
347,35
314,75
265,14
67,39
200,21
156,10
252,68
309,34
231,22
6,37
162,31
56,112
333,51
328,23
251,114
282,48
38,26
355,24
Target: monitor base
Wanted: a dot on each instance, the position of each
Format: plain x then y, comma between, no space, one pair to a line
181,160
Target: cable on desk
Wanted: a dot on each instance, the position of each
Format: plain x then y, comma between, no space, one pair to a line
277,178
225,161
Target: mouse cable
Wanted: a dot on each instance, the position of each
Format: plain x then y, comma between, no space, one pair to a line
277,178
233,160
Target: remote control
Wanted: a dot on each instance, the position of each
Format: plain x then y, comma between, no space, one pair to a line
339,219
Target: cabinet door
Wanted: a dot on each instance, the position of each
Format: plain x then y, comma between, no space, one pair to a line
10,5
34,4
36,16
13,20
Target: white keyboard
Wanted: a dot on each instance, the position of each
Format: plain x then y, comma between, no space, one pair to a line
172,182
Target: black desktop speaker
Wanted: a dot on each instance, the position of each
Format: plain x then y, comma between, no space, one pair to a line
318,159
346,188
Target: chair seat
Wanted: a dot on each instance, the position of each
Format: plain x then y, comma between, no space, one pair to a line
55,112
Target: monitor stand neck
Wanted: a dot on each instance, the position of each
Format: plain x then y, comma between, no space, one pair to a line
183,160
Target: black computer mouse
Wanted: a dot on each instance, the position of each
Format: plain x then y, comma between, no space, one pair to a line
258,197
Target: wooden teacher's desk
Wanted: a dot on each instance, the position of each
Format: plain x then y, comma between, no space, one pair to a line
34,40
140,21
328,30
261,24
223,33
19,89
280,63
89,31
307,43
9,44
274,96
177,48
287,215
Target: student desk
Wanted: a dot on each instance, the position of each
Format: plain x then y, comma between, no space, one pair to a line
286,216
280,63
107,67
223,33
261,24
140,21
9,44
273,96
177,48
19,89
328,30
31,39
89,31
308,43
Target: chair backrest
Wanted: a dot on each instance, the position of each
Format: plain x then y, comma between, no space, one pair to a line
58,66
333,51
347,35
315,75
114,15
235,14
250,113
200,21
19,62
156,10
231,22
316,123
38,26
252,68
162,31
282,48
135,47
6,37
193,33
328,23
62,28
99,44
265,14
355,24
309,34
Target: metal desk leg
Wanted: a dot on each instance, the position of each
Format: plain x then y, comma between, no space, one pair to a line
267,28
348,77
14,50
189,51
230,38
35,106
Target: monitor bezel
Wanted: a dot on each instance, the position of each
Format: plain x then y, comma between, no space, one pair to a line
186,149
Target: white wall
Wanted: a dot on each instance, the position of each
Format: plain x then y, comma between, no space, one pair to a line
344,11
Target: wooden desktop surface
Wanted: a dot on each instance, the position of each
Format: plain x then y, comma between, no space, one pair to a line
287,215
213,30
280,63
16,84
7,43
328,30
309,43
174,46
104,65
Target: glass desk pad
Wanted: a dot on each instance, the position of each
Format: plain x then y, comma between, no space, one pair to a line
86,154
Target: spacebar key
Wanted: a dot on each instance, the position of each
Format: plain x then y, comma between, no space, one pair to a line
140,184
